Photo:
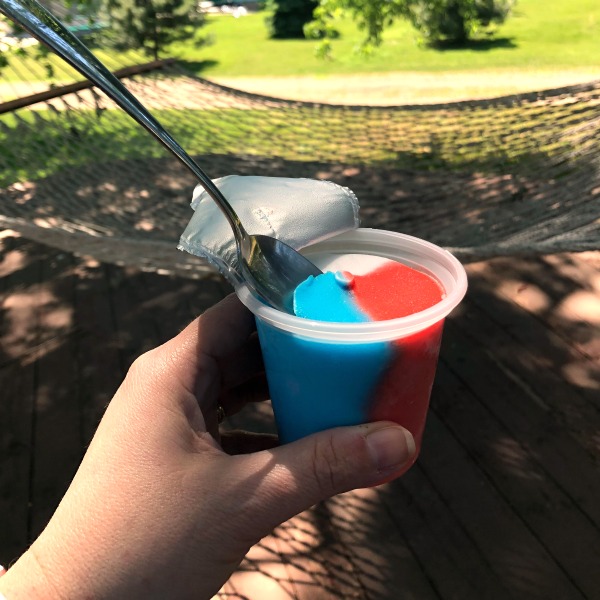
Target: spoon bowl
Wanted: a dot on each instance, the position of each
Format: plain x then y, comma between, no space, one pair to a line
271,268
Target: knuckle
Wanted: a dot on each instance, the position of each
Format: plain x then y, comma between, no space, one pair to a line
142,368
327,467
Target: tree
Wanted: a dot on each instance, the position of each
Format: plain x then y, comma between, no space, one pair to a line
456,21
438,21
152,24
289,17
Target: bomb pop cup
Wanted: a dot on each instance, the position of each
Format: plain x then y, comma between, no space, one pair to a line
329,374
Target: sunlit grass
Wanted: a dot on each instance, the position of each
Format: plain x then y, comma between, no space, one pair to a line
39,143
541,34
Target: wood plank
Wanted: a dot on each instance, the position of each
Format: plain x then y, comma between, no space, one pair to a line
137,331
379,552
513,467
548,376
16,406
319,556
58,446
309,553
19,274
549,289
501,504
543,352
582,268
503,539
206,297
446,553
174,302
306,560
100,368
549,424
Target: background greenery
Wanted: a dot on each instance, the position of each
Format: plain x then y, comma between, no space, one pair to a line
499,137
541,34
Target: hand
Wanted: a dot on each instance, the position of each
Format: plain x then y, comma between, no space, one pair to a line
157,508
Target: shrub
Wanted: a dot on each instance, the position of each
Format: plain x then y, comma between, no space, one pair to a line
289,17
456,21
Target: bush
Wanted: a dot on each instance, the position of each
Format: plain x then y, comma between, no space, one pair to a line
289,17
456,21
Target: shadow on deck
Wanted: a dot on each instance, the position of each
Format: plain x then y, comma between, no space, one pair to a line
503,502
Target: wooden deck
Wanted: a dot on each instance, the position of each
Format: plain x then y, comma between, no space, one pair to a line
504,501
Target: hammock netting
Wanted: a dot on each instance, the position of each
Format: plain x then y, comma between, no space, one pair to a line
512,175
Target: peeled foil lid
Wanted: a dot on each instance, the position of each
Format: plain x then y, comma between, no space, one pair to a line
300,212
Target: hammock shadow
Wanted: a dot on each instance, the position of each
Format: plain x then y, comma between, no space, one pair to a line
486,504
507,176
146,200
508,456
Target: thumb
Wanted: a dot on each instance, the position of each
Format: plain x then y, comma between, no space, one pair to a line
302,473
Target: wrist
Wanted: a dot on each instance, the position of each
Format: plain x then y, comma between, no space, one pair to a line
26,580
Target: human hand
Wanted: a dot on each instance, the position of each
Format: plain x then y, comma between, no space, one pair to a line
158,509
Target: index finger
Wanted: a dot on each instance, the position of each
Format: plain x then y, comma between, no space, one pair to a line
216,334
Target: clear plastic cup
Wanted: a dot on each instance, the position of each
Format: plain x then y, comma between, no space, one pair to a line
324,374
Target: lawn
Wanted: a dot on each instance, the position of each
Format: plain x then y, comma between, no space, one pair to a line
32,68
541,34
546,34
40,143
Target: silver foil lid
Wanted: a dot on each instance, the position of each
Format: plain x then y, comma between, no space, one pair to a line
299,212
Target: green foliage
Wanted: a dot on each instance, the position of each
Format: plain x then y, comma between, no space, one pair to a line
542,37
438,21
288,17
371,17
151,25
456,21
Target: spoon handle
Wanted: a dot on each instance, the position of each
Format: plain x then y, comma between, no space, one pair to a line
33,17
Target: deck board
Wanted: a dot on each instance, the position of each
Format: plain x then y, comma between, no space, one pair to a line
554,440
16,400
448,553
503,502
503,539
100,367
20,265
519,477
55,457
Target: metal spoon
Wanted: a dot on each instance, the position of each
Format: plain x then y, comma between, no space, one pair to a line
270,267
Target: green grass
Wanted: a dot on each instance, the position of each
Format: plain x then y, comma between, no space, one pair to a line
541,34
31,68
500,139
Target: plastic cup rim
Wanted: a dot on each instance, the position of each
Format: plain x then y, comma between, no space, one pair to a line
372,330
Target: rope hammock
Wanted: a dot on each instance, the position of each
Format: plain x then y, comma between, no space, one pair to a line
512,175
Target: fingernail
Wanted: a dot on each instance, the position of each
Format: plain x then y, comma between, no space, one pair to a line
391,447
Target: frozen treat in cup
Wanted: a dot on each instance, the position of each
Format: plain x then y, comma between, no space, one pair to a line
367,345
364,340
